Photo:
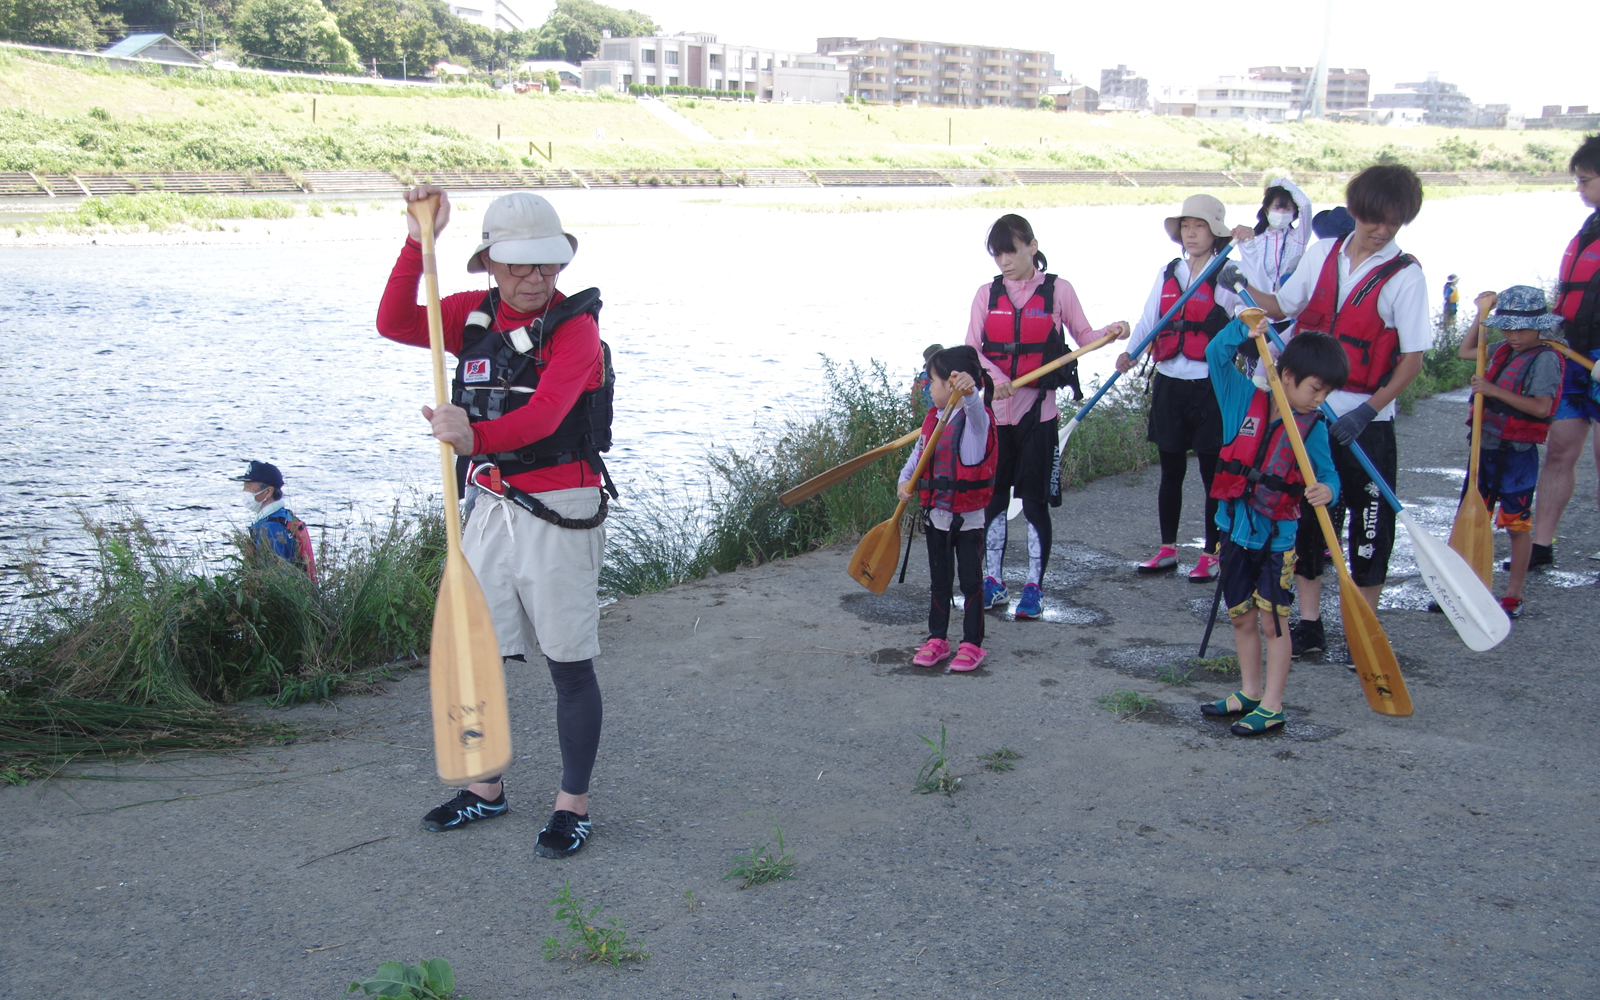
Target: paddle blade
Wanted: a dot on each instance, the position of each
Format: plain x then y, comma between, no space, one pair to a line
873,563
471,725
1375,664
1013,508
1470,606
1473,536
1066,433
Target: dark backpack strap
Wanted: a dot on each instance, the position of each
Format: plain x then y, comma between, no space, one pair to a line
997,289
1047,291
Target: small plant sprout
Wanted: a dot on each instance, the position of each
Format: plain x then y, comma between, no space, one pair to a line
586,940
688,895
1126,703
935,775
430,980
1177,675
761,864
1224,665
1001,760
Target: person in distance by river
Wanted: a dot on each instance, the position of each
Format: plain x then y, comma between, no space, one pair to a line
531,405
1016,324
273,527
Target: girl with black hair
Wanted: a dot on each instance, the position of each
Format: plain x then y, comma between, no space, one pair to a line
1269,253
954,490
1019,321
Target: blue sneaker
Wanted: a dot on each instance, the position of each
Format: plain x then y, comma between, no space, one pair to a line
1028,606
994,592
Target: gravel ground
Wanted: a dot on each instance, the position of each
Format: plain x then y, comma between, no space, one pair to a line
1451,854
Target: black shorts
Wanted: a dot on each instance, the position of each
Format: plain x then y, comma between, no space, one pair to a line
1184,416
1371,536
1256,579
1029,461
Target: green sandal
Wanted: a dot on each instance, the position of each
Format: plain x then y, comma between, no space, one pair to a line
1259,720
1233,704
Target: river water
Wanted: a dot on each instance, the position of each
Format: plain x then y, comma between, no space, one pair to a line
147,375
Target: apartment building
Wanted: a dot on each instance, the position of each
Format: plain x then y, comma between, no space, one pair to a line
496,15
1347,88
1122,89
1241,98
901,70
697,59
1440,103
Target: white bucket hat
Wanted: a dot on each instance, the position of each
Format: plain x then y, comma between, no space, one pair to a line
522,228
1197,206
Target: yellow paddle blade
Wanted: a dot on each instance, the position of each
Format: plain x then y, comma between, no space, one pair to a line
1472,536
471,726
878,555
1371,653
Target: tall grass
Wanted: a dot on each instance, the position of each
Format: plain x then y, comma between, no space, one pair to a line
1111,439
1442,369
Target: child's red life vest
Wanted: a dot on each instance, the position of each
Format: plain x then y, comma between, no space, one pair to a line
947,483
1579,293
1019,340
1511,370
1191,331
1259,464
1373,347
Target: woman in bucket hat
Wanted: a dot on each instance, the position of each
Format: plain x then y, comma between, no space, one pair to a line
1521,386
1183,410
531,405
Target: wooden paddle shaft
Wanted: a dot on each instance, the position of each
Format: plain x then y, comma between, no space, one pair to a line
844,470
927,453
1477,405
1050,366
1571,355
423,210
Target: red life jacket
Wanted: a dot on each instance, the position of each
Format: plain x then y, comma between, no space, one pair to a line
1259,464
1510,370
1578,299
1194,327
1019,340
947,482
1373,347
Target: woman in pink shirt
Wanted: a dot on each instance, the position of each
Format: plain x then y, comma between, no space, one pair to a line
1016,324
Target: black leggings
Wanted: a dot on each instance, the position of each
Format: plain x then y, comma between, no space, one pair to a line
948,556
1169,499
578,717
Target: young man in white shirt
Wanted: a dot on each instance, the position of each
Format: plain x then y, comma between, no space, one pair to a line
1374,299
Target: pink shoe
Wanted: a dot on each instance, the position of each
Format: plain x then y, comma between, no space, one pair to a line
968,657
1205,570
1165,559
932,653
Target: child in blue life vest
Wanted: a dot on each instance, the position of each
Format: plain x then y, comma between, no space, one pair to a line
1521,386
953,492
1259,488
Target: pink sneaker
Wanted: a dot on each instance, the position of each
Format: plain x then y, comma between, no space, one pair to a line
968,657
1165,559
932,653
1205,570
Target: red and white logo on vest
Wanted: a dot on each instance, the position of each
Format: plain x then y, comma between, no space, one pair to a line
475,370
1250,428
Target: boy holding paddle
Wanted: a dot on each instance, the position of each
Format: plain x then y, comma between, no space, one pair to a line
1521,387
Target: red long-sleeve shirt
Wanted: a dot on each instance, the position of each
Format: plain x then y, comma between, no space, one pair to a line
571,359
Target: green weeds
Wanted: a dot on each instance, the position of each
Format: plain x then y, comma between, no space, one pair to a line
586,941
1223,666
1126,703
1111,439
432,979
1442,369
1000,761
935,775
763,863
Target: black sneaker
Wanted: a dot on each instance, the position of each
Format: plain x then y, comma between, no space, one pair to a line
1306,637
1543,555
466,807
563,835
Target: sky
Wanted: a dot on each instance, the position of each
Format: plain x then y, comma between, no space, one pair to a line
1408,40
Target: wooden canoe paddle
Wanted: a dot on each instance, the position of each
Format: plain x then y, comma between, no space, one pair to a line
1376,665
1473,535
471,724
873,562
1571,355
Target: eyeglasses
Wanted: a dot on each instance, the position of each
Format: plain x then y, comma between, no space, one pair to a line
1582,180
523,270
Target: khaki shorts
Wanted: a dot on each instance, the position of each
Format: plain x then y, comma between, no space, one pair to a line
540,580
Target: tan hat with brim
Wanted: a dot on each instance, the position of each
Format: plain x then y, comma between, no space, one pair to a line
522,228
1204,207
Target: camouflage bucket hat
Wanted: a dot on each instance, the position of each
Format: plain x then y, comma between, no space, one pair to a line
1522,307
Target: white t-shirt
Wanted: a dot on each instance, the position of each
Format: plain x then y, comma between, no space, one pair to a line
1180,366
1402,304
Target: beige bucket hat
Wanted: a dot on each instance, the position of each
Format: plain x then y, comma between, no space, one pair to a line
522,228
1197,206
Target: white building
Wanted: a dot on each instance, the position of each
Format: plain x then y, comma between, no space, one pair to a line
698,60
1240,97
570,76
496,15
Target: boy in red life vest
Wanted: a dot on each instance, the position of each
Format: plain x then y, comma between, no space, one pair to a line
1183,410
1521,386
1578,305
954,490
1017,323
1362,291
1260,489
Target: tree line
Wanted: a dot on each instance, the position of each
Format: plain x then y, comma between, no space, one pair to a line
389,37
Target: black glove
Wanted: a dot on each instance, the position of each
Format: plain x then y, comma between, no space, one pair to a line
1230,277
1349,427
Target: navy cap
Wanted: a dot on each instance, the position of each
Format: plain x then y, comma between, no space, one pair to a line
264,473
1333,222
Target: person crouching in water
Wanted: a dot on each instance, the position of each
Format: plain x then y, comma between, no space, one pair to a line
954,490
1259,488
1183,411
1017,323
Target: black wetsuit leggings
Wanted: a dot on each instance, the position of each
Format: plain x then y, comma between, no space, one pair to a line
1169,499
578,718
953,554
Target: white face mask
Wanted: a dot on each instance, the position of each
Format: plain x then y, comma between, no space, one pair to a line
1279,220
250,501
